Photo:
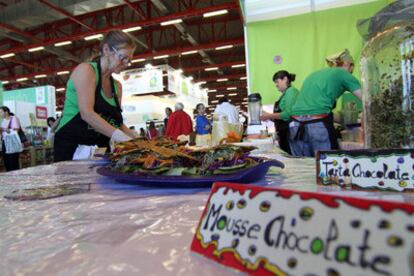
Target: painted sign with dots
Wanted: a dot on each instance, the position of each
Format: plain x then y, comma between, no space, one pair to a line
367,169
271,231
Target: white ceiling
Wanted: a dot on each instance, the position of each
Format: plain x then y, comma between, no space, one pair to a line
258,10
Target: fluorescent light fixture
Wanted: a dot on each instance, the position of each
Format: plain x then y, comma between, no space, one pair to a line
211,69
243,78
221,80
137,60
40,76
160,57
63,43
238,65
8,55
220,96
189,52
60,89
202,82
171,22
96,36
215,101
5,82
212,90
245,103
62,73
233,94
244,99
35,49
231,88
22,79
133,29
224,47
215,13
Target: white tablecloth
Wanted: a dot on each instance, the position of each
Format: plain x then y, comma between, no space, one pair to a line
117,229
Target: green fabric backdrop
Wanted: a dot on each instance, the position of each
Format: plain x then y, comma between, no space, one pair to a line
303,41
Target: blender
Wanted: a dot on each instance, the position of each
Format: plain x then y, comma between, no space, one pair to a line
255,110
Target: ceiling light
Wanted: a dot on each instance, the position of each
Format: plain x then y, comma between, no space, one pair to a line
40,76
7,55
60,89
137,28
189,52
220,96
215,101
22,79
5,82
160,57
171,22
211,69
35,49
243,78
238,65
212,90
63,43
137,60
62,73
220,80
215,13
231,88
224,47
233,94
245,103
96,36
202,82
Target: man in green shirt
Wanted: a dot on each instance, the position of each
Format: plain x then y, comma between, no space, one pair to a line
312,127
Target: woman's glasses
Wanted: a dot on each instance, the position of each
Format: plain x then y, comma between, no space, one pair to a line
124,59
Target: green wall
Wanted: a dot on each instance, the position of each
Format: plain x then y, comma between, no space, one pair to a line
303,41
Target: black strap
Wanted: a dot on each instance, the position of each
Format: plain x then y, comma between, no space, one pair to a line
10,121
99,86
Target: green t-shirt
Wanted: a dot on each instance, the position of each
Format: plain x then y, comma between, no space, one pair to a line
287,102
321,89
71,108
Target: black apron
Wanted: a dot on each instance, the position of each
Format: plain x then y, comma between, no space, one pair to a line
282,128
78,132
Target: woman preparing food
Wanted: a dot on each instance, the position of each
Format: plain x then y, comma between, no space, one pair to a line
282,107
92,110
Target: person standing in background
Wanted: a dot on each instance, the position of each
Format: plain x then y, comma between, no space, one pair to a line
92,110
312,128
179,123
225,108
283,107
203,127
9,122
152,132
168,112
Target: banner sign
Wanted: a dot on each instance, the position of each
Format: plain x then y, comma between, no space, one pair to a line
266,231
368,169
139,81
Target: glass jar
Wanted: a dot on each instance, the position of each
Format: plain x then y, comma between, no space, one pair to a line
387,82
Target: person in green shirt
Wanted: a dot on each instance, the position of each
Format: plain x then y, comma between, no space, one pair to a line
282,108
312,127
92,110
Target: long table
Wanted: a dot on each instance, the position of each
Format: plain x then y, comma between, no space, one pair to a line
115,228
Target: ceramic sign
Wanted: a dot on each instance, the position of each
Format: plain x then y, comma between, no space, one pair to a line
266,231
367,169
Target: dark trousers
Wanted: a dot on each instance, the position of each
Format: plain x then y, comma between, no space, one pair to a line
11,161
